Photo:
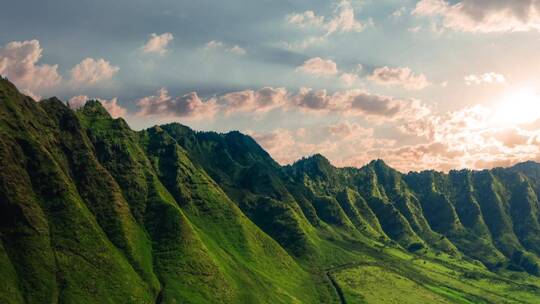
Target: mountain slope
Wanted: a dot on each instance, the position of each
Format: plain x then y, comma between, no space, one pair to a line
95,212
92,211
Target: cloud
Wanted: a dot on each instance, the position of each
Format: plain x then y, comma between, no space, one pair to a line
112,106
399,12
338,141
347,103
319,67
469,135
77,102
157,43
279,144
306,19
403,77
214,44
262,100
489,78
434,155
237,50
359,103
91,71
191,106
483,15
187,106
442,141
460,139
31,94
343,20
314,100
349,78
218,45
430,7
510,137
348,131
19,62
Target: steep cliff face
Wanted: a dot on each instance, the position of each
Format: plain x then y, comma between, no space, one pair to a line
92,211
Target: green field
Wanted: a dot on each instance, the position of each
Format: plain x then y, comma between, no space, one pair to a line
431,279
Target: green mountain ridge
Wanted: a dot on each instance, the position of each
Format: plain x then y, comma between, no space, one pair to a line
92,211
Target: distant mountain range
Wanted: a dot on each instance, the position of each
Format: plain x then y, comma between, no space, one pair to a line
94,212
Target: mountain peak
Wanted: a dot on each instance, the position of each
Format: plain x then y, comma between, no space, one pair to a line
315,165
378,164
177,126
95,109
318,158
315,160
526,164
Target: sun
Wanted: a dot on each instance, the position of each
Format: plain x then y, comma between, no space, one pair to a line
518,106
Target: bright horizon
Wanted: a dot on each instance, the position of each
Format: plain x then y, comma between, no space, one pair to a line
422,85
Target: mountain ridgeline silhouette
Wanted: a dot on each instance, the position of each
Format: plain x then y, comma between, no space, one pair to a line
92,211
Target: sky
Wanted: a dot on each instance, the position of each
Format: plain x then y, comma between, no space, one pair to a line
429,84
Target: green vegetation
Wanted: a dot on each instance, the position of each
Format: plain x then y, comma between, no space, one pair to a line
372,284
94,212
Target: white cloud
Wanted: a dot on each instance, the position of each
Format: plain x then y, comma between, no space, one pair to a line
91,71
489,78
219,45
306,19
319,67
77,102
31,94
19,62
282,144
214,44
187,106
237,50
469,138
399,12
112,106
339,142
483,15
343,20
348,103
157,43
192,107
399,76
349,78
430,7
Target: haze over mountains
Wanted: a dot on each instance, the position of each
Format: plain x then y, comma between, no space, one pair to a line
92,211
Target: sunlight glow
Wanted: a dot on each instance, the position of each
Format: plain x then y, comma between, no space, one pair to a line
518,107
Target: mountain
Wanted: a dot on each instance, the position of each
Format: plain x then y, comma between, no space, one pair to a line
94,212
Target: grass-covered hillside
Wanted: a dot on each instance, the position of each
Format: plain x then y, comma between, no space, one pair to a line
94,212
